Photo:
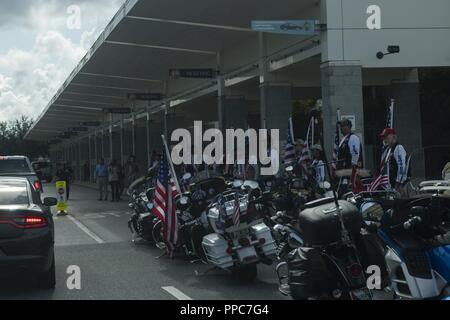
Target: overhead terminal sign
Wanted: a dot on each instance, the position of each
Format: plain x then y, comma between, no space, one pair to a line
296,27
146,96
119,110
80,129
193,73
90,124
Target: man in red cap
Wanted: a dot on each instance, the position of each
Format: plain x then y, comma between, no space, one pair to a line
395,160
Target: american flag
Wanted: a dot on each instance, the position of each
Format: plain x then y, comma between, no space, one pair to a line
305,157
289,149
382,180
237,210
389,121
164,205
222,210
336,146
390,115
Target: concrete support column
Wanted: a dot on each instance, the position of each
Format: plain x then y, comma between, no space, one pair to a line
96,147
79,158
341,89
407,120
147,138
133,135
141,144
121,137
111,143
234,112
277,108
102,144
220,94
91,175
127,140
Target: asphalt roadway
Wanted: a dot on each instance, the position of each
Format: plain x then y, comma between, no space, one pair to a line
95,237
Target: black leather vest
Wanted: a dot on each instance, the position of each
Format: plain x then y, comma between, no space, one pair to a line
345,156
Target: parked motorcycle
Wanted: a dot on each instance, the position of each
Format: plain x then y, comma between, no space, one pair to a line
141,193
416,235
331,258
207,230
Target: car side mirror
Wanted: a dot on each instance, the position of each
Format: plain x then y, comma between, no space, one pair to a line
50,202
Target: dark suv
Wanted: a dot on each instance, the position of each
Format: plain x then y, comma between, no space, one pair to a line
20,166
27,232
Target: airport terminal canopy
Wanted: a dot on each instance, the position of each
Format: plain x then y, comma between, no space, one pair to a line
146,39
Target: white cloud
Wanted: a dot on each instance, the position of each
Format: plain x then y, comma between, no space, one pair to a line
30,78
34,76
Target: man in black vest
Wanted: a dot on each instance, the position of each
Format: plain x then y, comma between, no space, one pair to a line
396,161
349,154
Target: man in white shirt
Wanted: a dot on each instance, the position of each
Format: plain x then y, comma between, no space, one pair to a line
349,156
396,160
317,165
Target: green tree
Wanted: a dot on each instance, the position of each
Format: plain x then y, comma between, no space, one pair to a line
12,139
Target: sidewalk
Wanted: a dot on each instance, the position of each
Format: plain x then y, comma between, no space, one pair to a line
85,184
93,186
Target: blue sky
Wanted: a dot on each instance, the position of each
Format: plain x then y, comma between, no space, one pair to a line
38,51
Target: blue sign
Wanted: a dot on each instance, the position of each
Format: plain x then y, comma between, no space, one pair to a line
297,27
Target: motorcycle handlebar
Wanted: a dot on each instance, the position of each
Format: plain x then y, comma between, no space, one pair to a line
410,223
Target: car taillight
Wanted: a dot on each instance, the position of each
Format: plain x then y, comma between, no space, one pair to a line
25,222
37,185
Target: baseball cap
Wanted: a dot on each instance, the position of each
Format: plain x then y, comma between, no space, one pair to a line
317,147
386,132
300,142
346,122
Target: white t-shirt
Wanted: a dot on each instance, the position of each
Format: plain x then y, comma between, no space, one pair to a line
319,169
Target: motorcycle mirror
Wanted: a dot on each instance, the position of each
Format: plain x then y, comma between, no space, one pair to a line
187,176
250,184
237,183
289,169
184,200
325,185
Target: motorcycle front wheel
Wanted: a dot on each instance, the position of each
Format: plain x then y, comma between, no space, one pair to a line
157,232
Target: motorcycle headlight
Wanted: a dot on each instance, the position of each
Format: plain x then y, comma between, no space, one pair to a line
295,241
372,211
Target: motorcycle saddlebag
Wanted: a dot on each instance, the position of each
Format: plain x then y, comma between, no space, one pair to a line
320,225
308,275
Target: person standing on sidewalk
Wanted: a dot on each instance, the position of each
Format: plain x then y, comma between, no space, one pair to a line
113,178
65,174
121,180
101,177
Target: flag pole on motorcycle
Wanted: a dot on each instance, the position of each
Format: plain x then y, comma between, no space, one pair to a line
164,200
172,168
337,141
390,115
